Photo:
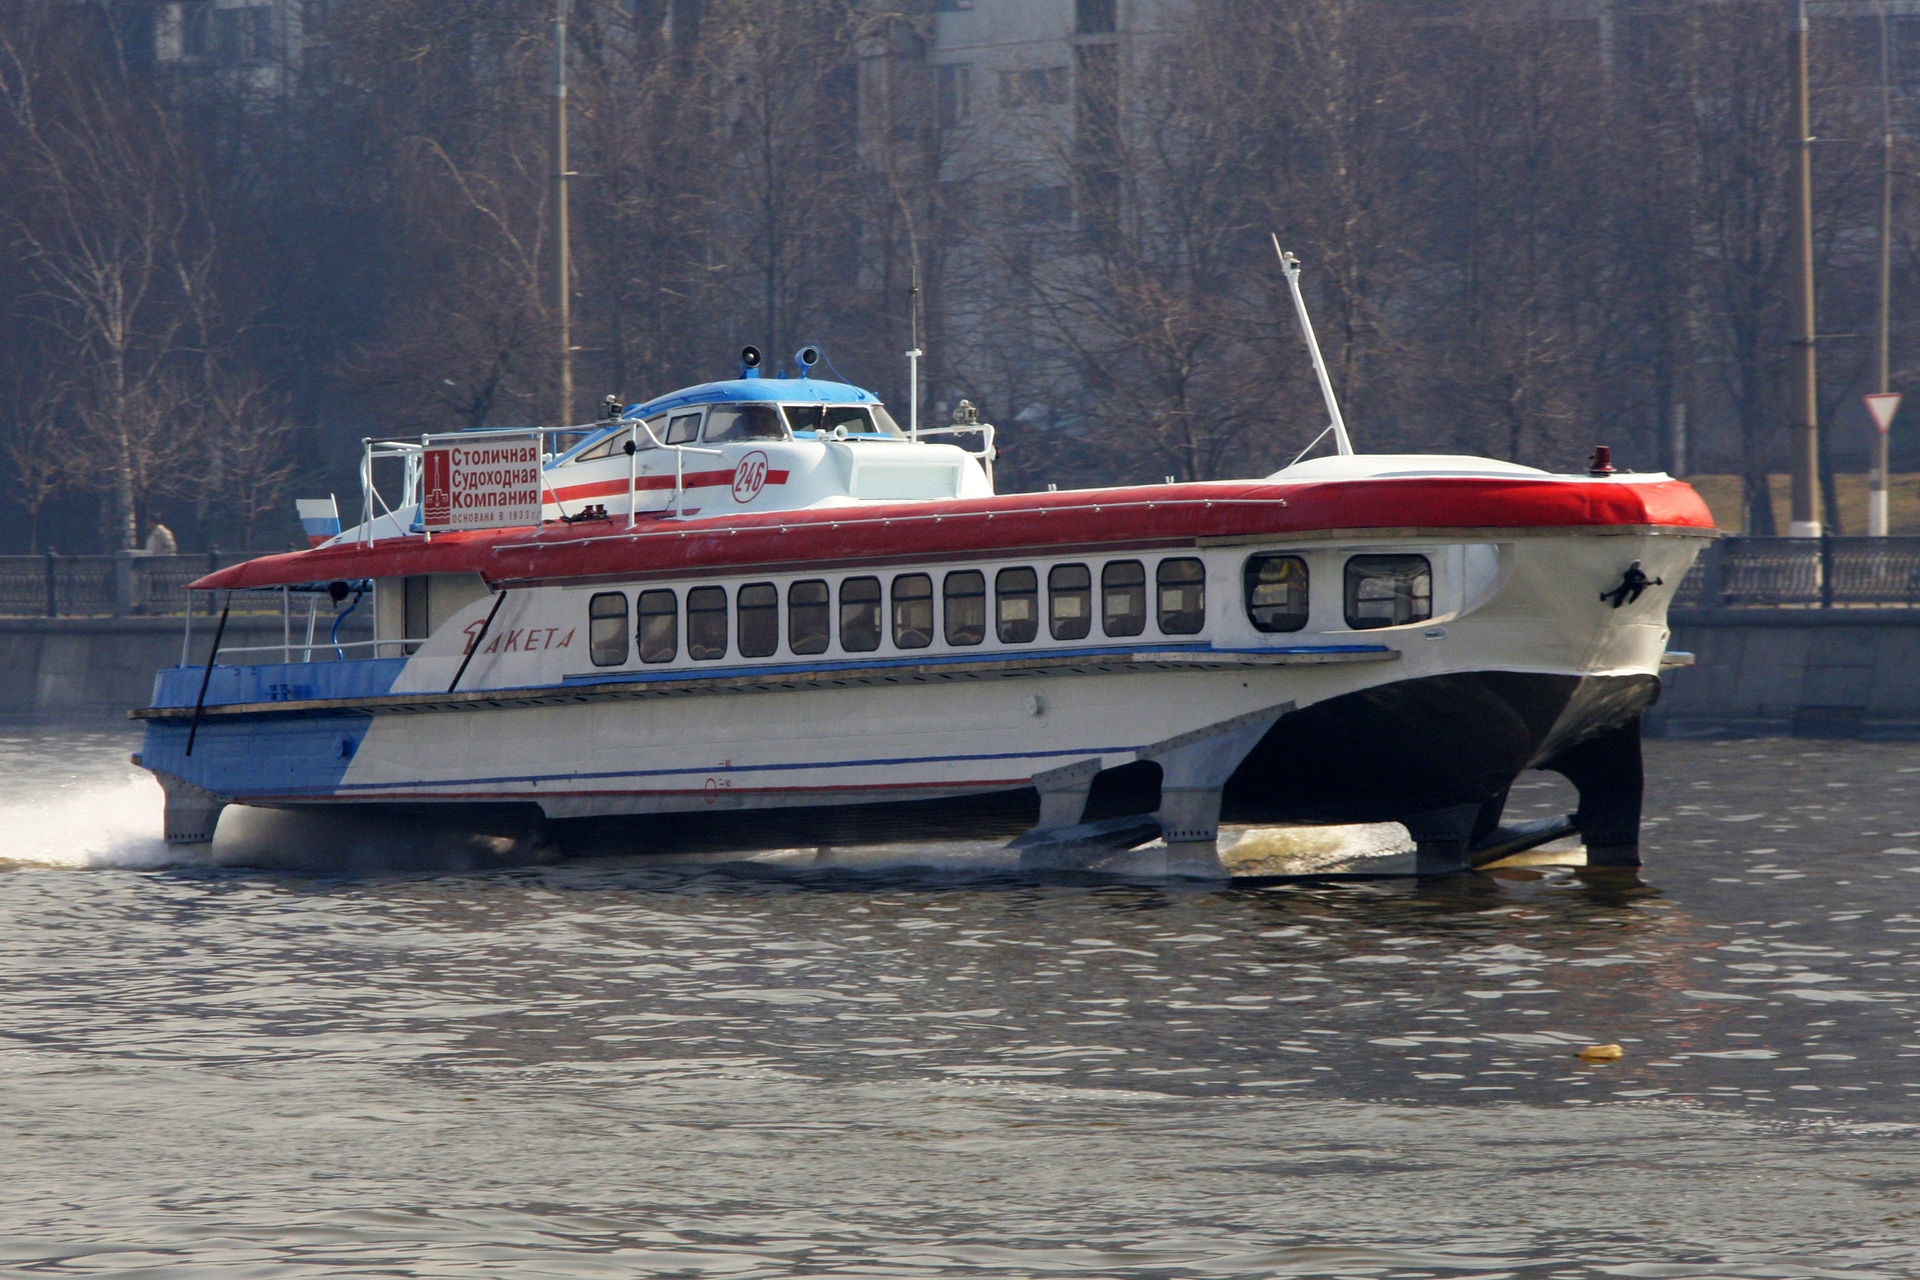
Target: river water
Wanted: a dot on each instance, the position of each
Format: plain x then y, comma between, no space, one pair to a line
914,1063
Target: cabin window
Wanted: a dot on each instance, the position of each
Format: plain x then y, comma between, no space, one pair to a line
707,624
1388,591
809,609
1123,598
1276,593
759,606
966,593
659,626
859,420
1070,601
744,422
1017,594
860,615
607,629
683,427
602,450
912,611
1183,597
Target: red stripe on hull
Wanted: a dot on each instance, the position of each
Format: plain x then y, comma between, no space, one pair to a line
1013,524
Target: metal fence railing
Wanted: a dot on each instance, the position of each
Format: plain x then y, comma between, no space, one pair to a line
58,586
1829,572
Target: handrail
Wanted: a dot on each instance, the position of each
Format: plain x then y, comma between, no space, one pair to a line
986,453
290,649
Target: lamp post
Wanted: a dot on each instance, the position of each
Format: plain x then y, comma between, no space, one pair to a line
1803,403
1877,524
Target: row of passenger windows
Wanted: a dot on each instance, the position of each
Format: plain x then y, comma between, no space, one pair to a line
1381,591
735,422
863,615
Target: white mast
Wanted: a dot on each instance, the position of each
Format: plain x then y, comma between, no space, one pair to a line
1290,267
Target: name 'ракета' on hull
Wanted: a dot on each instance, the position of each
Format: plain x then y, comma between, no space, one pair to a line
756,613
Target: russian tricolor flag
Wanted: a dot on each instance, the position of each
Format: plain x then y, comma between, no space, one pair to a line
320,517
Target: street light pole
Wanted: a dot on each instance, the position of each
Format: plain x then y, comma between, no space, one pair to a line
562,248
1877,497
1803,405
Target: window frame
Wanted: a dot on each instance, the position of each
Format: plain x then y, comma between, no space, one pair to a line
1061,626
947,597
1160,586
594,618
1249,582
902,634
1107,587
877,605
741,609
699,416
722,612
642,613
1001,593
1350,584
796,610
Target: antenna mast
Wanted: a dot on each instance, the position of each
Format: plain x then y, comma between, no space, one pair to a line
913,358
1290,267
562,249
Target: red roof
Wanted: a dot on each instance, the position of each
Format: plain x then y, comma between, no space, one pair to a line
1011,524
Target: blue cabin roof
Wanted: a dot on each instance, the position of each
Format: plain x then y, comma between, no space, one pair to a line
763,390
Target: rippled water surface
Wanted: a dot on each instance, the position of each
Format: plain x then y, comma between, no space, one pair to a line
888,1069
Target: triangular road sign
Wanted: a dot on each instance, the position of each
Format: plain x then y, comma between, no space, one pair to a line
1883,405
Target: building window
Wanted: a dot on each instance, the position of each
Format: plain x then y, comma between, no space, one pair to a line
966,593
1276,593
659,626
1094,17
607,629
1123,598
1034,87
809,606
758,604
954,88
707,624
1017,595
1070,601
912,611
860,615
1183,597
1388,591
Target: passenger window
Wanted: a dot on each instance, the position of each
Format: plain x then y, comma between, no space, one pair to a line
860,615
683,428
759,607
659,626
607,629
912,611
966,593
1183,597
1070,601
809,605
1017,593
1276,593
744,422
707,624
1388,591
1123,598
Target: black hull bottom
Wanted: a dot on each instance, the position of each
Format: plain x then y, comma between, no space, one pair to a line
1437,753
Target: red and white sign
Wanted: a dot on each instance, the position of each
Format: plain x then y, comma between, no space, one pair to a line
749,477
481,485
1883,405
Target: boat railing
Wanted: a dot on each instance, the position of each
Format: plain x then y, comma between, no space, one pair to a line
286,650
985,453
